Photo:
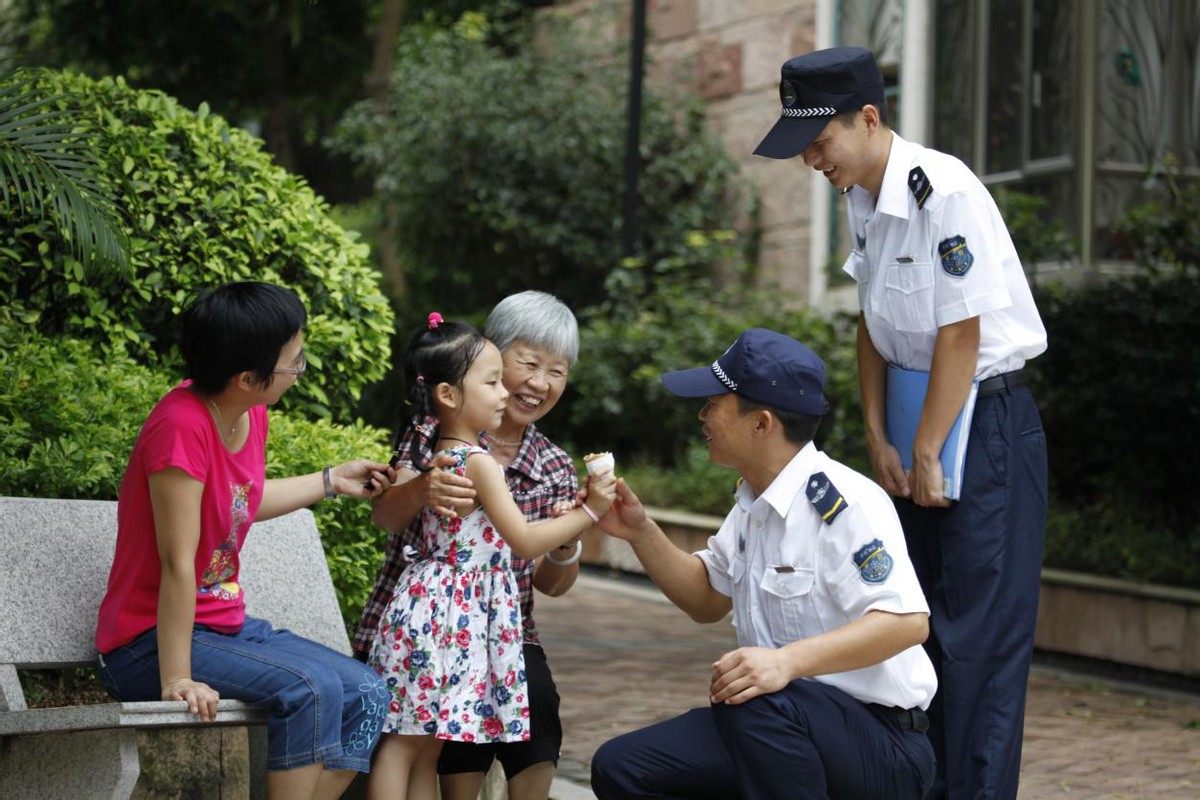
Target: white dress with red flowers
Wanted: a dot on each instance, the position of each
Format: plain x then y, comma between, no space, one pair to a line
449,644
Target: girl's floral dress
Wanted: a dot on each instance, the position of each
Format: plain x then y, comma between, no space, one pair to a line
449,644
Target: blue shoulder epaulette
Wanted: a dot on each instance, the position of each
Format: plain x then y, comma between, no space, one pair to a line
919,185
825,497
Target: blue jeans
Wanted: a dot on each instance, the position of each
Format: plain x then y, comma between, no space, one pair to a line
324,707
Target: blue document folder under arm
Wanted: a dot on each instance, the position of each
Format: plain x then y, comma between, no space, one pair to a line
906,390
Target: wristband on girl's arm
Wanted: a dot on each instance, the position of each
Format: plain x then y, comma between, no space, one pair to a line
567,561
588,510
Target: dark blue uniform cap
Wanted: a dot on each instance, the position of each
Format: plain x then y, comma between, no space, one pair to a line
816,87
763,366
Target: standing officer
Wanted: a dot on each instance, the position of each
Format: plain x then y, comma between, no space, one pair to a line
941,290
825,695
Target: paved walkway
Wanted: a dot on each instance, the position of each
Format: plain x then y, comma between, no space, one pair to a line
623,657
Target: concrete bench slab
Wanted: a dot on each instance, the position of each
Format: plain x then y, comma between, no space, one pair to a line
57,555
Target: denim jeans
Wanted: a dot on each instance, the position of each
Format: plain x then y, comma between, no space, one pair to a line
324,707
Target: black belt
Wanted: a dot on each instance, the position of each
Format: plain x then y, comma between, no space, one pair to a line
1008,382
913,719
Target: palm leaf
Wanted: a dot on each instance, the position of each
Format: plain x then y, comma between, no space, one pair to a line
48,170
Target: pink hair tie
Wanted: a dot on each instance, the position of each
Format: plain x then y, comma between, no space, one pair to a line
435,319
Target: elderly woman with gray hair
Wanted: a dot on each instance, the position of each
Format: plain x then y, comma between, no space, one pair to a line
538,338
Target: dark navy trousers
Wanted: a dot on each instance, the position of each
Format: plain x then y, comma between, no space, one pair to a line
806,741
979,563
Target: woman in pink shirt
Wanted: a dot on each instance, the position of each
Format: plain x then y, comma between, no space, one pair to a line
173,624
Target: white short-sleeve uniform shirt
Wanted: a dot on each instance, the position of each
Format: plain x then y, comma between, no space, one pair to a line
919,268
792,575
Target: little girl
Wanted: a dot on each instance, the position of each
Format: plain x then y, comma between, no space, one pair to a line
449,643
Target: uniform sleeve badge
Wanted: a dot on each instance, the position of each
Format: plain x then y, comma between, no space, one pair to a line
873,562
825,497
956,256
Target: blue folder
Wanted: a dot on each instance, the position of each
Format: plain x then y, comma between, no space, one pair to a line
906,390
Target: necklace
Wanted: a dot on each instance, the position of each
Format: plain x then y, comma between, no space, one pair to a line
494,439
456,439
225,437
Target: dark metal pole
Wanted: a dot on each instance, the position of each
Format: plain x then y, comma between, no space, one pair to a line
637,58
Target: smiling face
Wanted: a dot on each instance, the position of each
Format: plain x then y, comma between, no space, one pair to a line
535,379
848,152
727,430
482,396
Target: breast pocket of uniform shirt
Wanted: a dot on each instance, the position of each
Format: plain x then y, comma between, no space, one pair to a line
910,295
787,599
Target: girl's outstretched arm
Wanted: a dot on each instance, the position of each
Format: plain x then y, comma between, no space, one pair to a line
529,540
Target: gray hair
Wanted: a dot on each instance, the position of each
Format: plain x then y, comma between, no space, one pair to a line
537,319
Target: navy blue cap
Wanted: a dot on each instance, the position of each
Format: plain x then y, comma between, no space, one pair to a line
816,87
763,366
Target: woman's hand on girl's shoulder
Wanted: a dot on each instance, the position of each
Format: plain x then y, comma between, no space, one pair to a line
445,491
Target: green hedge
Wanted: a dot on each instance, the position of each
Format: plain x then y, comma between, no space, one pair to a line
1120,395
68,423
202,204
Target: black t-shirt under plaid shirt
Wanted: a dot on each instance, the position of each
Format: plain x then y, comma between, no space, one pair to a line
540,476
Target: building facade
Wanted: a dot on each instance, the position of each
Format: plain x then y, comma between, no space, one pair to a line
1086,103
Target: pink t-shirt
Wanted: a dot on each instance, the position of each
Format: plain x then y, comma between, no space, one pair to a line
181,433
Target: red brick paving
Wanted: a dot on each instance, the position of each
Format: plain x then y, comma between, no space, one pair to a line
623,659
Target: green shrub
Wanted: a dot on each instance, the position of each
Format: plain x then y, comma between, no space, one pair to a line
695,484
203,204
642,330
502,153
68,423
353,544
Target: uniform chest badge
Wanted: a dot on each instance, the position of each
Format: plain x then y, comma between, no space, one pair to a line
825,497
873,562
956,256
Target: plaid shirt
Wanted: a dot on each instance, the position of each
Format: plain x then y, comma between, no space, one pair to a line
540,476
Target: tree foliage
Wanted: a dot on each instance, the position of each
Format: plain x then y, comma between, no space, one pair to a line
49,171
203,204
501,157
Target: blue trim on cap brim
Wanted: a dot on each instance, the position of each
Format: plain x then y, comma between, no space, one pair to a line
697,382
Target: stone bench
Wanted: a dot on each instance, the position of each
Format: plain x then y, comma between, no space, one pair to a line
56,555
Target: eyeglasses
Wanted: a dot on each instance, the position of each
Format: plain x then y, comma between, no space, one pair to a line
297,370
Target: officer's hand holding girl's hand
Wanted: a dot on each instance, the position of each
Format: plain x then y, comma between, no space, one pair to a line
927,483
201,698
628,517
885,463
444,491
746,673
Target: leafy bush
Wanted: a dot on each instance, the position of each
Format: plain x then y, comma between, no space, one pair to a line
1163,233
68,422
354,546
649,326
203,204
501,158
1034,229
74,444
1119,390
